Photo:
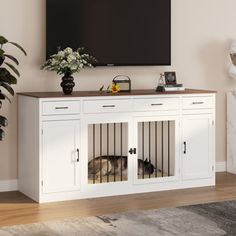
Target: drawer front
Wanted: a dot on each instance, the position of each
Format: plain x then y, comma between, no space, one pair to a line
156,104
103,106
197,103
61,107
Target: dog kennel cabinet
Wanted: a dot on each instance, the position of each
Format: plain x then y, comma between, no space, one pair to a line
92,144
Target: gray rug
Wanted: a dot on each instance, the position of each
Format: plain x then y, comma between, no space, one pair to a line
207,219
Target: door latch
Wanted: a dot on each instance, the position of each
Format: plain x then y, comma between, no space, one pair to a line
132,151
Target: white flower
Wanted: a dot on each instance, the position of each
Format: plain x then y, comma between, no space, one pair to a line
71,58
61,54
68,50
63,64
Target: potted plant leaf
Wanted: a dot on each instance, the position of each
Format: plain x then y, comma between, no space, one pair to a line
8,77
68,62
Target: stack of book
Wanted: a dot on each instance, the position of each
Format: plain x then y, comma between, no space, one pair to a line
174,87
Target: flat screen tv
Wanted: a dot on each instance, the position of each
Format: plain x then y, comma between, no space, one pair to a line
115,32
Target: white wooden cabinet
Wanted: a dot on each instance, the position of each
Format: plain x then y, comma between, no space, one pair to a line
60,156
142,141
197,156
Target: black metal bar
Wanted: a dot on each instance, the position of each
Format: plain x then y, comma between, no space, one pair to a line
121,151
162,148
143,148
168,148
114,152
107,153
156,149
94,153
149,144
100,153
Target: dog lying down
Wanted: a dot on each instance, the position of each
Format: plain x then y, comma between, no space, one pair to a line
110,165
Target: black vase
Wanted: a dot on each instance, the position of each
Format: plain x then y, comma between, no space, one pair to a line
67,84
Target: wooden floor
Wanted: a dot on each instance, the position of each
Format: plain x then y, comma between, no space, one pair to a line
15,208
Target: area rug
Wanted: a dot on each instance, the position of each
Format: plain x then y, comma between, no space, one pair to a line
206,219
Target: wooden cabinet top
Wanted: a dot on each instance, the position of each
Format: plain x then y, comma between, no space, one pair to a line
139,92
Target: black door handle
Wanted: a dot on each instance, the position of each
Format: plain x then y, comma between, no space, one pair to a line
77,155
185,147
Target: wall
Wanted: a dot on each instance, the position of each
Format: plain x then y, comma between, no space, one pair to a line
201,33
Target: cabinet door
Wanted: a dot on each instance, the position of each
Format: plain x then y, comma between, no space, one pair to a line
60,156
197,151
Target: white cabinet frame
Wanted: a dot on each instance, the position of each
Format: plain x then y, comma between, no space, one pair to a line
34,112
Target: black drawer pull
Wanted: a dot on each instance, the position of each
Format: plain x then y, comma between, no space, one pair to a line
197,103
107,106
61,108
157,104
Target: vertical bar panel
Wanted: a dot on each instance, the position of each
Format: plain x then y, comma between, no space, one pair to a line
114,152
94,153
168,148
121,150
162,148
156,149
149,145
107,153
143,148
100,153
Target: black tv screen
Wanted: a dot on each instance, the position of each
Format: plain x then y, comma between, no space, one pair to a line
115,32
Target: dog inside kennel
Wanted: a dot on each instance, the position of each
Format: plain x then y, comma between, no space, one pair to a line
108,151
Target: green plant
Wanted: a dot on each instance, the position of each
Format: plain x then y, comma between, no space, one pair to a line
6,77
67,62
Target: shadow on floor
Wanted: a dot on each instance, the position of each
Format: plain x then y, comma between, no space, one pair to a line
14,197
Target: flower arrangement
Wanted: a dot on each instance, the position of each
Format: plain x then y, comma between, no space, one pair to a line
68,62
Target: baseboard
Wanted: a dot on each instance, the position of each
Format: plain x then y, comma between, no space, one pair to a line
8,185
12,185
221,166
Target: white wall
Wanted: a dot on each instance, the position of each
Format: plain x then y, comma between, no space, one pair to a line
201,33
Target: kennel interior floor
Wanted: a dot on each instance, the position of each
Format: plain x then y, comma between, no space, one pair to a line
118,178
15,208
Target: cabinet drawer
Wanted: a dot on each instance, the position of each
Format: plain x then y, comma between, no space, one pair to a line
197,102
61,107
156,104
103,106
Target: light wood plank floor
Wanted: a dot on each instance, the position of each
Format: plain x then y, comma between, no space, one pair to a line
15,208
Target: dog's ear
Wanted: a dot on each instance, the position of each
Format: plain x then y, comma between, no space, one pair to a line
146,160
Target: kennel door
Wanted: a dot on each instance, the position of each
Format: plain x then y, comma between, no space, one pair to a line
157,149
107,152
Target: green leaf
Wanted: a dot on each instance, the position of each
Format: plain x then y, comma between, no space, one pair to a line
3,97
2,59
5,76
18,46
13,68
2,134
3,40
1,52
3,121
12,58
8,88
